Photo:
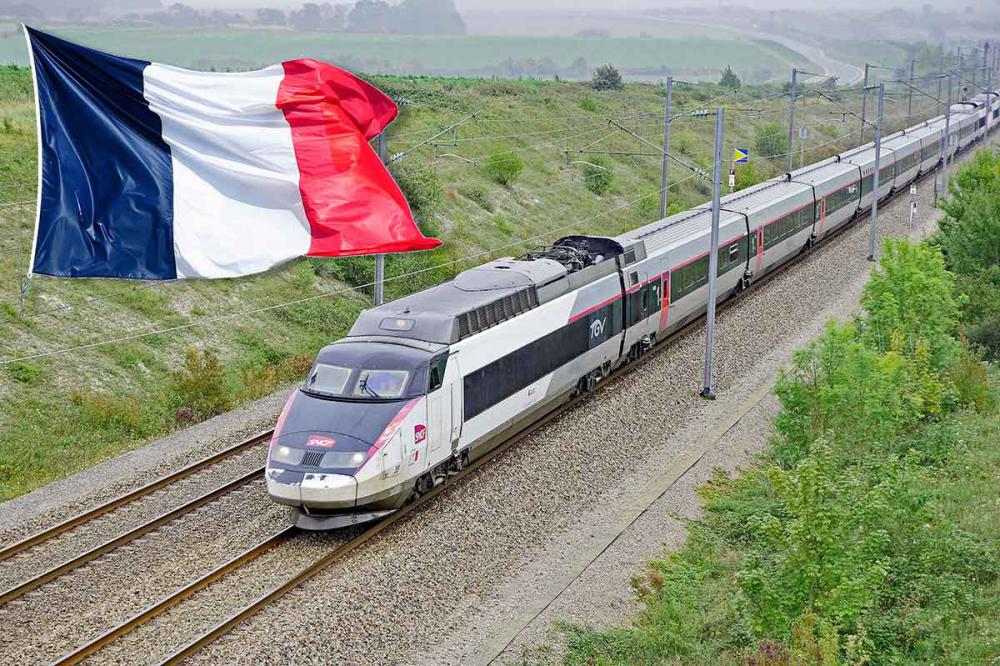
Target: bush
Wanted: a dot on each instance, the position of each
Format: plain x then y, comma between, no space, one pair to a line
503,167
607,77
420,186
588,104
478,194
24,372
771,140
118,414
200,385
598,175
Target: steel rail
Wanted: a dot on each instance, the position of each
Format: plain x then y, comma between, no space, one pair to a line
175,597
120,501
131,535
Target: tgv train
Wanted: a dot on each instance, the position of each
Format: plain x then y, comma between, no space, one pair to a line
424,384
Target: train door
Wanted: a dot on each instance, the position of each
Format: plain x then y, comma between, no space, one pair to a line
758,236
391,456
439,410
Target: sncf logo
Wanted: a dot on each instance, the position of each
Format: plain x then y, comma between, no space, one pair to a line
321,442
597,328
419,433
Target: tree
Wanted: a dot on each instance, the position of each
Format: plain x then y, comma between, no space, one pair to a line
270,17
607,77
371,16
771,140
429,17
729,79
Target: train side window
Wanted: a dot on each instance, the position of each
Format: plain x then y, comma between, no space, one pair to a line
633,279
437,373
734,252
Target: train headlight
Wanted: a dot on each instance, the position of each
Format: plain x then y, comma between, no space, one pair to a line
286,455
342,459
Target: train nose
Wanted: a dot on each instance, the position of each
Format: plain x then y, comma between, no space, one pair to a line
329,491
312,490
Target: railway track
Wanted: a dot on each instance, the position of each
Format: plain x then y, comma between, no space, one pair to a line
289,533
82,519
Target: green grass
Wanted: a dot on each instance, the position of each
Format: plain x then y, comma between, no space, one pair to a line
46,433
437,54
868,531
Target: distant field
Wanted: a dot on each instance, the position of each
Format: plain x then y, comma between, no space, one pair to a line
505,56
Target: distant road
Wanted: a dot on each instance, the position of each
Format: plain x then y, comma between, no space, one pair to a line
846,73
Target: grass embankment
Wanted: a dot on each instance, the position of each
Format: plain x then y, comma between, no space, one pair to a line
498,186
868,533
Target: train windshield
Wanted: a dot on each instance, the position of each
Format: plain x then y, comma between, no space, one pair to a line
368,372
333,380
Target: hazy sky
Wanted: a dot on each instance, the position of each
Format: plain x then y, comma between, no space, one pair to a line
604,5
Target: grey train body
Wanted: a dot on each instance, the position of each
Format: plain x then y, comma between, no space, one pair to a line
424,384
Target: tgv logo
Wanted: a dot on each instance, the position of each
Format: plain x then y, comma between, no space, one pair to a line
597,327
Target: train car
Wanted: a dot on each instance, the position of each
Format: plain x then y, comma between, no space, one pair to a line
781,215
905,149
836,189
864,159
930,135
677,247
966,116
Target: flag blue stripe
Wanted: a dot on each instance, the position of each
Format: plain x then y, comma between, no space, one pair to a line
106,204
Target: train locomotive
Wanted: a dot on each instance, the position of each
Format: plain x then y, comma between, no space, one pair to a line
425,384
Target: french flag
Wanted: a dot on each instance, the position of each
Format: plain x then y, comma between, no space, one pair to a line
154,172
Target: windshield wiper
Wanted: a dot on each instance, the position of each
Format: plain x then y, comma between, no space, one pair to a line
369,390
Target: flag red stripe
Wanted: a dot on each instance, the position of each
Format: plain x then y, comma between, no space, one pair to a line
352,202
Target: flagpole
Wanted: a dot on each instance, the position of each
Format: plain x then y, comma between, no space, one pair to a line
38,193
383,154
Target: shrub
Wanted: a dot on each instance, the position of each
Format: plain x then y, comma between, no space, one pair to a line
119,414
503,167
420,186
771,140
598,175
200,385
257,381
588,104
24,372
607,77
478,194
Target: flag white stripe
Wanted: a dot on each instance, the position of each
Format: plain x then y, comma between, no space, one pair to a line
237,205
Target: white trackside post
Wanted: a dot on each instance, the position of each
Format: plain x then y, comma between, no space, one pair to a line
878,155
713,258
